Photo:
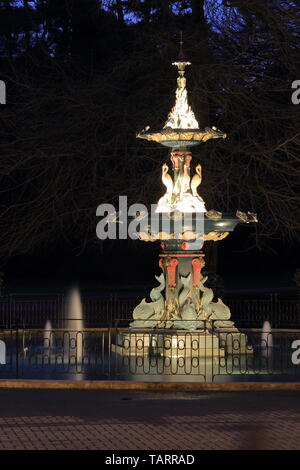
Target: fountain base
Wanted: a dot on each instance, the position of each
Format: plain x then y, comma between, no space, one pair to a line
180,343
169,344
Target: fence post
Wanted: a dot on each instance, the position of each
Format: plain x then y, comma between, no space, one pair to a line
109,351
276,310
10,311
271,310
17,351
112,311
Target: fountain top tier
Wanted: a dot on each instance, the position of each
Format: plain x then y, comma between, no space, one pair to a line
181,130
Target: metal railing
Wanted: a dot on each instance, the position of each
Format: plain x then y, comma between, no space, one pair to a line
32,311
148,354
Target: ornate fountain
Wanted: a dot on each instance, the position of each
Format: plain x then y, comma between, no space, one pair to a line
181,302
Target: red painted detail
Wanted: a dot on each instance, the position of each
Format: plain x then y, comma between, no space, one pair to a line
184,246
174,160
181,255
183,152
188,159
183,156
161,263
171,270
197,266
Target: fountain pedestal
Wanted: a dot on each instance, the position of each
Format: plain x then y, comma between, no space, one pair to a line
172,343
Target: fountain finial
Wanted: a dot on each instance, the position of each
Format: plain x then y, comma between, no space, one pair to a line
181,53
181,63
181,115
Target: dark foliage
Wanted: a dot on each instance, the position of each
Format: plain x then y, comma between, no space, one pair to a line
84,75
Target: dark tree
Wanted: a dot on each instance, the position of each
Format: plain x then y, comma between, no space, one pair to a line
85,75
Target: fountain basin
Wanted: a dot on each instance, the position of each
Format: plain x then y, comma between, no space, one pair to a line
181,138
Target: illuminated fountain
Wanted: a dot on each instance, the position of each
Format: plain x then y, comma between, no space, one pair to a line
181,303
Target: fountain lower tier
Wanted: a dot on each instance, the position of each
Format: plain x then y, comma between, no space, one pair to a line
180,343
190,227
183,309
181,300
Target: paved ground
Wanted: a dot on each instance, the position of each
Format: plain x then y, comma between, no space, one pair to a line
118,420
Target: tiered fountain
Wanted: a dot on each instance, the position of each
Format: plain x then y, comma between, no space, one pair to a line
186,304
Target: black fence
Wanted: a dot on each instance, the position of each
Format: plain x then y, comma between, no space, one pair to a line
33,311
154,355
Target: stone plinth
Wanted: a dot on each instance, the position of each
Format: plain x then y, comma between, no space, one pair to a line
133,344
168,344
188,344
234,341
